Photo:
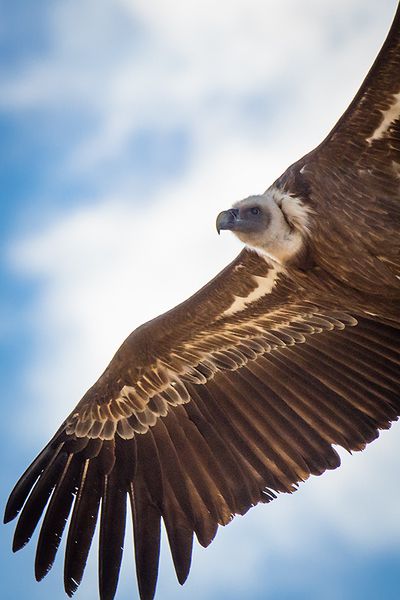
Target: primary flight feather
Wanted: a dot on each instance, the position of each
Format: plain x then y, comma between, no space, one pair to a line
242,391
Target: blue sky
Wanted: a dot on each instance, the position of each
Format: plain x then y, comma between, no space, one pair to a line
125,128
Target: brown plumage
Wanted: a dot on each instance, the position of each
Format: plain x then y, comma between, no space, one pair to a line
240,392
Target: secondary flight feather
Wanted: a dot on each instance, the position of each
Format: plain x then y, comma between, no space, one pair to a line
241,392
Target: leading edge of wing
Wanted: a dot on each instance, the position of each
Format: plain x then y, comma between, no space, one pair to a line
261,395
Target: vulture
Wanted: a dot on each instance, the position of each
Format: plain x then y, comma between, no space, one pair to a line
242,391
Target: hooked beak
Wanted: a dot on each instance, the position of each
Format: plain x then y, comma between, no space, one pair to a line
227,219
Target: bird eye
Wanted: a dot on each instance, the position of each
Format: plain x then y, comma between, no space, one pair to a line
255,210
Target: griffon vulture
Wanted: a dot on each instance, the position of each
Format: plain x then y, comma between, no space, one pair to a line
241,392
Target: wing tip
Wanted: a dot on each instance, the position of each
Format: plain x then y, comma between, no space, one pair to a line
70,585
9,512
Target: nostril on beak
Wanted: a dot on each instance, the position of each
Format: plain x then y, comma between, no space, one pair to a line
234,212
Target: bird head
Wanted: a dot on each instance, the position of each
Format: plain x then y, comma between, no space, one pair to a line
274,224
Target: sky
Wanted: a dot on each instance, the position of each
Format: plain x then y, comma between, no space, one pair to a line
126,127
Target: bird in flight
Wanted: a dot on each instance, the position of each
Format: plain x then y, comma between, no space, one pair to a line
242,391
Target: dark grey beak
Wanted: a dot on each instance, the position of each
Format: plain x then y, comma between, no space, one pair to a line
227,219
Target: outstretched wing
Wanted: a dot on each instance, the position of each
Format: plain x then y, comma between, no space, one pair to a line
352,181
235,395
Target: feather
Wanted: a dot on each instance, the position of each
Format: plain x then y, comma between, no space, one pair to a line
112,530
37,500
25,483
56,517
146,518
180,534
82,525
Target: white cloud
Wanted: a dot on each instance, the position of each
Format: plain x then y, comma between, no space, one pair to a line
134,64
121,260
111,266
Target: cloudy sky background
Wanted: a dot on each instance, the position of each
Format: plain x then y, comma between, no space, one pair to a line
126,127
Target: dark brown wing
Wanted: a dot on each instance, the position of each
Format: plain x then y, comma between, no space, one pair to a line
352,181
235,395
